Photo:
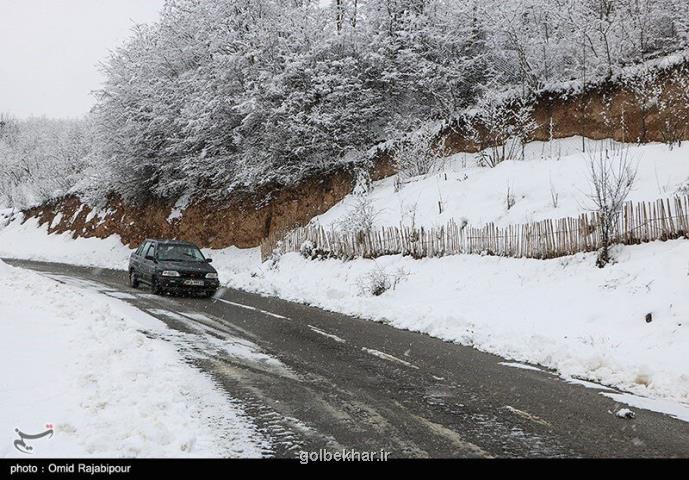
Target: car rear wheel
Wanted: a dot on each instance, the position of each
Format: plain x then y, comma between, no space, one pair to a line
133,281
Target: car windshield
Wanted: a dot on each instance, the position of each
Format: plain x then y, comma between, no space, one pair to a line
181,253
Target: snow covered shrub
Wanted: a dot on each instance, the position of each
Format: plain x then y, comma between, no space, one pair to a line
676,100
683,189
311,251
505,128
274,259
510,200
360,218
420,153
398,276
6,216
611,178
653,94
375,283
306,249
408,216
646,88
554,196
397,185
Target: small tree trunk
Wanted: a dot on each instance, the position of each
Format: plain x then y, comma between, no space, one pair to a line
604,253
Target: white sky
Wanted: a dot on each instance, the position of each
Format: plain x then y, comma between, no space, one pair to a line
49,51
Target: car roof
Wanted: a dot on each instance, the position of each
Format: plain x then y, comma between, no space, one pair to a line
170,242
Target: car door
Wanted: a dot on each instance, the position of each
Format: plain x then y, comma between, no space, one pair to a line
148,265
135,259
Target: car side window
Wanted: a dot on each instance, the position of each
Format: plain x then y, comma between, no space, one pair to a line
150,250
142,248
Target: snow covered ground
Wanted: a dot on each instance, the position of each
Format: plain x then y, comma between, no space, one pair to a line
551,169
563,314
98,371
29,241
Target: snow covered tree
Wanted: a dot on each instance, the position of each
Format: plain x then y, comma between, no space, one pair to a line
646,88
419,153
40,159
675,100
361,216
611,177
501,128
222,96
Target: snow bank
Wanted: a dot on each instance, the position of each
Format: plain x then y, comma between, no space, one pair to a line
564,314
28,241
31,242
82,362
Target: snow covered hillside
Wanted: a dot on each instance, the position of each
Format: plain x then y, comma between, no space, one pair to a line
552,182
97,371
565,314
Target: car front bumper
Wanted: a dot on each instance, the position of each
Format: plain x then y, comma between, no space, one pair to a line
181,284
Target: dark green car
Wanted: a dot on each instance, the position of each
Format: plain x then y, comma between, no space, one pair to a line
172,266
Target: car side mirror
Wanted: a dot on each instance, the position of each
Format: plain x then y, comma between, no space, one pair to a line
209,260
151,258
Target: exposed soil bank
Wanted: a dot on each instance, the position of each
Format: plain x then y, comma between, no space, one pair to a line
241,222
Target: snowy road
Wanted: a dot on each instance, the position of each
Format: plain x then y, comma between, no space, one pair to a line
313,379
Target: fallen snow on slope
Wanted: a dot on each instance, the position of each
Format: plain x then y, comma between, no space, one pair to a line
90,366
29,241
178,209
551,170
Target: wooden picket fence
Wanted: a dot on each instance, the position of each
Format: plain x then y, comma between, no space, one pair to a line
638,222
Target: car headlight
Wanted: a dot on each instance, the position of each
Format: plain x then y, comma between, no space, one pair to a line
212,275
170,273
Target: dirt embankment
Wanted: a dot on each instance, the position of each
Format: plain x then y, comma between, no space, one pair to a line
604,111
657,112
242,222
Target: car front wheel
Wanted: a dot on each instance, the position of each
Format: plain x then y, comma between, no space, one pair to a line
155,289
133,281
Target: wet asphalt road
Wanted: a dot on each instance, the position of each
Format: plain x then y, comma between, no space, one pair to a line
324,380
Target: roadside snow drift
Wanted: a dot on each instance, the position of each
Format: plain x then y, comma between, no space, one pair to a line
90,367
28,240
564,314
